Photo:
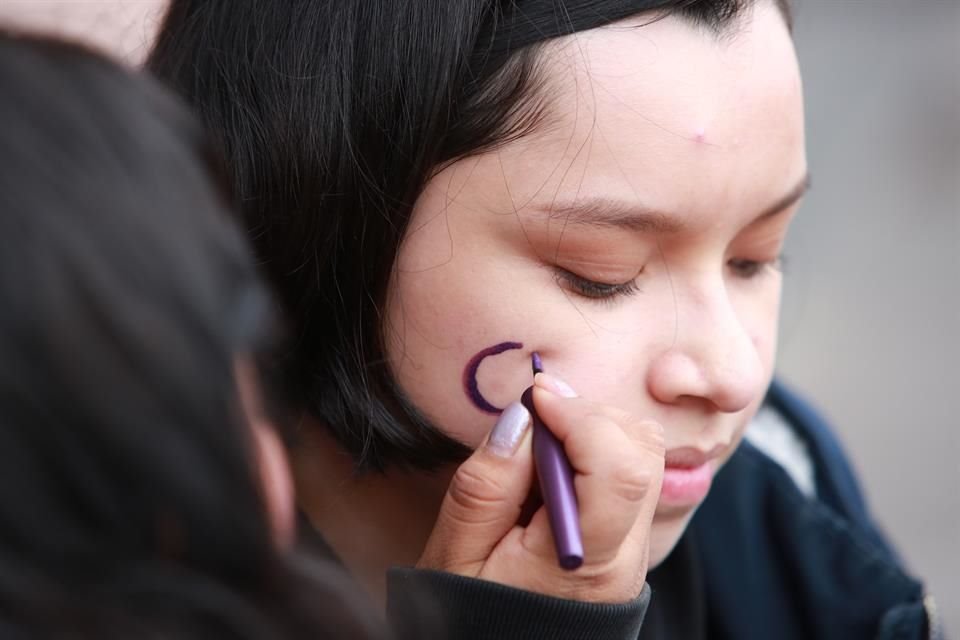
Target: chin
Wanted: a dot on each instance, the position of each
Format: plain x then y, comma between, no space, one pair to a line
666,532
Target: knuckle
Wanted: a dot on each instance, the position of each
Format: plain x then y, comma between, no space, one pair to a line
649,435
632,482
613,579
618,415
472,492
596,437
598,422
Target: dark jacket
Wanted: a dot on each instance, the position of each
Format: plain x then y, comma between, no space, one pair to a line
760,560
778,564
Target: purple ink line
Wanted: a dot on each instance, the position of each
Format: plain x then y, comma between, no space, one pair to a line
470,385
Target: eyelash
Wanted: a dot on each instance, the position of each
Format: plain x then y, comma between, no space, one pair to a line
593,290
609,292
751,269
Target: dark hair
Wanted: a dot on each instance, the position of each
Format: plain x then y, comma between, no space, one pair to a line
129,503
333,116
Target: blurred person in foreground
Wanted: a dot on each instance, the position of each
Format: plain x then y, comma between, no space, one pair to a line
144,490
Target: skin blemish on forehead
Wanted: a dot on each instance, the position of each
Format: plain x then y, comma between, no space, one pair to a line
470,385
700,135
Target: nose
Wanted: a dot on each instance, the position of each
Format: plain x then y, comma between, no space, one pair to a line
712,359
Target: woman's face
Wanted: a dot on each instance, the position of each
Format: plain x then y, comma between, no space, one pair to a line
632,241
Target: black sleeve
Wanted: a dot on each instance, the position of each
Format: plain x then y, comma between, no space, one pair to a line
434,604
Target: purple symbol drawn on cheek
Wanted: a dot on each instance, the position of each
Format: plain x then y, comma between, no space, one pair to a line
470,386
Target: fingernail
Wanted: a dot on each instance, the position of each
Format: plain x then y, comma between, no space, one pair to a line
555,385
506,435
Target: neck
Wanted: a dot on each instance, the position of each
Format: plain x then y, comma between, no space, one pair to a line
372,521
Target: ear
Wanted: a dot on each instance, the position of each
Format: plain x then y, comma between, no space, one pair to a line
273,467
277,483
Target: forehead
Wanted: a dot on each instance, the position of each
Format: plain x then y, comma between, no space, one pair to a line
646,106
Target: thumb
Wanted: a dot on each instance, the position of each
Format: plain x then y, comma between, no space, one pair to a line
485,497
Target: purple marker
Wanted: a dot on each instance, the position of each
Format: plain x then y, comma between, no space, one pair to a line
537,363
556,484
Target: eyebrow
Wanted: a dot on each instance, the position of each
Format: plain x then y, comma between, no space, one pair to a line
606,212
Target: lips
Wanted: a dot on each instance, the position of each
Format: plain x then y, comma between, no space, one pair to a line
687,475
687,458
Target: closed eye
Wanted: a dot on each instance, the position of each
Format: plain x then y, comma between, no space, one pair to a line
749,269
594,290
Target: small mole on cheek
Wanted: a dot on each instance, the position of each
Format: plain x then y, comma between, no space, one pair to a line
470,385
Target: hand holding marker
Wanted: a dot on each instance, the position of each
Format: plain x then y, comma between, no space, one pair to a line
611,480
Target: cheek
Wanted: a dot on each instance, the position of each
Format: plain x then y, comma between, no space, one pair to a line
459,339
437,354
457,330
760,312
762,318
757,306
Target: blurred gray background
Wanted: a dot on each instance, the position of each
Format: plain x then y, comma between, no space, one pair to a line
872,309
871,316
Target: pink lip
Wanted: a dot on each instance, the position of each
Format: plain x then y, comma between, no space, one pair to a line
687,476
686,486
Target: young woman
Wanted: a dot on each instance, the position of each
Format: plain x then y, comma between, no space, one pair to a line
438,190
144,492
